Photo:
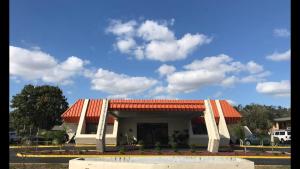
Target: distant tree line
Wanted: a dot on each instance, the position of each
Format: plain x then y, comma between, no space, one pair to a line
259,117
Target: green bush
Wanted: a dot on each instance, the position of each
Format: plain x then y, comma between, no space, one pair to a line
122,150
55,141
174,147
193,148
141,145
157,146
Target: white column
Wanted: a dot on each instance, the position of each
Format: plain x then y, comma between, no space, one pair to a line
212,129
100,136
81,124
223,130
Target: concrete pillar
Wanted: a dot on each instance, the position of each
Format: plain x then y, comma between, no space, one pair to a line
223,130
212,129
81,124
100,136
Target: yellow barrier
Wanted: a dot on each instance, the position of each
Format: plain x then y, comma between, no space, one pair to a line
265,146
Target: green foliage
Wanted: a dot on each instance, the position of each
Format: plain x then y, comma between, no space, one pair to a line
180,138
193,148
57,137
157,146
122,150
259,117
37,106
237,131
142,145
174,147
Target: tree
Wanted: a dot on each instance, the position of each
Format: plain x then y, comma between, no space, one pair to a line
38,107
259,117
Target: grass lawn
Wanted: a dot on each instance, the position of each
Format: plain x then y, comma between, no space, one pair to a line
65,166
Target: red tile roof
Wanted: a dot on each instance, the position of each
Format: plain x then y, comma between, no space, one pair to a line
157,105
72,115
215,110
93,111
231,114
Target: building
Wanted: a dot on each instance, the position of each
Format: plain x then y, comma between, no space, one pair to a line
103,121
281,123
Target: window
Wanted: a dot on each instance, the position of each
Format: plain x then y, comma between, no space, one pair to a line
282,133
199,128
276,133
289,133
91,128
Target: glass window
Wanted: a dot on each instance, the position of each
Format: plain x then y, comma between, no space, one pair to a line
282,133
199,128
276,133
289,133
91,128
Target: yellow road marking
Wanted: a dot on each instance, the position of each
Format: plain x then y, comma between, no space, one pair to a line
52,146
89,156
265,146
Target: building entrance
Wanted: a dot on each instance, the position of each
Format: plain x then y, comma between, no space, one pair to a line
151,133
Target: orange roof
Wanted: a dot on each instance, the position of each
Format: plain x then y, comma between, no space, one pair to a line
230,113
72,115
93,110
215,110
157,105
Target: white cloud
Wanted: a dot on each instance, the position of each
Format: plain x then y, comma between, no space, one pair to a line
253,67
231,102
157,90
151,30
280,56
219,70
166,69
38,65
188,81
255,77
165,97
121,29
229,81
222,63
119,84
156,40
125,45
281,88
118,96
281,32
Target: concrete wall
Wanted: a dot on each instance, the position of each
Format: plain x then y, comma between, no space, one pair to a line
176,123
110,135
163,162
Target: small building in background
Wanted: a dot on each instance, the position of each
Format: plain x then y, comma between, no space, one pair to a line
282,123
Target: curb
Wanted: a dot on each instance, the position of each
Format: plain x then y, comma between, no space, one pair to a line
145,156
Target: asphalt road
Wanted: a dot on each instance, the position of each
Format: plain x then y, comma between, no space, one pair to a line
14,159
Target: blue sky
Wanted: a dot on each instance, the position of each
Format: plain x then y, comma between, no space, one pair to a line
235,50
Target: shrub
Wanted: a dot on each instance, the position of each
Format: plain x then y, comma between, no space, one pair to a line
174,147
157,146
142,146
55,141
193,148
122,150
